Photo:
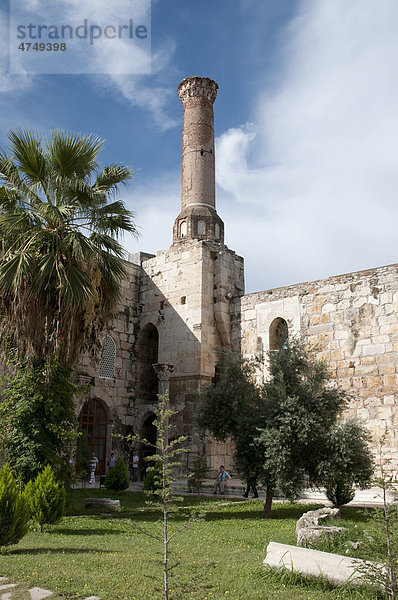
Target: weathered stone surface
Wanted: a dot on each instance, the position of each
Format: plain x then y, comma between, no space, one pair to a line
358,341
313,518
310,536
309,531
333,567
102,503
37,593
5,586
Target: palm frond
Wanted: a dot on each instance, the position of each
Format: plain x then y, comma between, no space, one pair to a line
73,155
13,182
27,150
13,271
107,243
114,218
111,176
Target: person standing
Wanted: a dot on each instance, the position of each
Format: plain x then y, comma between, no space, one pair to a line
112,460
134,467
222,477
93,467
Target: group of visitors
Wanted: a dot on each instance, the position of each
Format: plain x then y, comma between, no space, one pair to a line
134,466
94,463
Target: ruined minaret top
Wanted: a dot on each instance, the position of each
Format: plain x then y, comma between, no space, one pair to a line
198,218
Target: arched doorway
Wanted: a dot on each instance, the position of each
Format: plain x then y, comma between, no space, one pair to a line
93,424
147,350
278,334
149,433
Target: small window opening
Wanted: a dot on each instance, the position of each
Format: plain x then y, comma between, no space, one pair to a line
108,359
201,228
278,334
183,300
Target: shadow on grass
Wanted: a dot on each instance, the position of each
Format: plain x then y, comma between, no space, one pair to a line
61,549
67,531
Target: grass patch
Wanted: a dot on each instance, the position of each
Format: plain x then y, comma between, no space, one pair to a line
97,553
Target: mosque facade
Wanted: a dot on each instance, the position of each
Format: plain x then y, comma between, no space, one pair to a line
183,304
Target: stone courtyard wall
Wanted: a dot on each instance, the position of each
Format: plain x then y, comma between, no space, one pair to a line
352,319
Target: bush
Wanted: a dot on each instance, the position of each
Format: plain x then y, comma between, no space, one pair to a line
198,474
152,481
347,461
14,514
117,478
46,498
37,419
340,492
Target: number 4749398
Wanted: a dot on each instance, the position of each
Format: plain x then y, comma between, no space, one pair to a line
42,47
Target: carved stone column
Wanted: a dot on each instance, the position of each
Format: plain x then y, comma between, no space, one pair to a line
163,371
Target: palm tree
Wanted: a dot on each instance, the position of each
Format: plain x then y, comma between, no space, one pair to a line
61,260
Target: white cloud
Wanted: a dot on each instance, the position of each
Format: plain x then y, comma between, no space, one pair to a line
317,169
146,92
156,205
9,83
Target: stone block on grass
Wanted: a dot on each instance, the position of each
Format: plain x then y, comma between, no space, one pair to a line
107,503
308,562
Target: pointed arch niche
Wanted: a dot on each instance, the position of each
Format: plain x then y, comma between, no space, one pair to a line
147,349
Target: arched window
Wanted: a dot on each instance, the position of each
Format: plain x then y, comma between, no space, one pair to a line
278,334
183,229
108,359
217,231
201,228
93,425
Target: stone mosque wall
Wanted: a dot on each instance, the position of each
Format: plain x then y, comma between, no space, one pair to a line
352,320
183,304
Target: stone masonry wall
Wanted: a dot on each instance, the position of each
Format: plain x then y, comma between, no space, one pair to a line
353,320
184,295
115,392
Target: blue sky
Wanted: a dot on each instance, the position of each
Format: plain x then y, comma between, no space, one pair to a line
306,127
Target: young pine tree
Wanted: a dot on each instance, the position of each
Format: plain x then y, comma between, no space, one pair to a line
45,497
117,478
165,463
14,514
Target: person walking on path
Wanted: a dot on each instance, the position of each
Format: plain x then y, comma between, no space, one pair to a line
222,477
251,484
93,467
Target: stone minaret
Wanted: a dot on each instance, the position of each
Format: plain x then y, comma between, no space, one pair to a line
198,218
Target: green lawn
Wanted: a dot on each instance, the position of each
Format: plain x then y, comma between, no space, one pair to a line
218,557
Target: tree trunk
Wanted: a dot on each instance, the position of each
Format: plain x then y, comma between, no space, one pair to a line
166,554
268,502
392,583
